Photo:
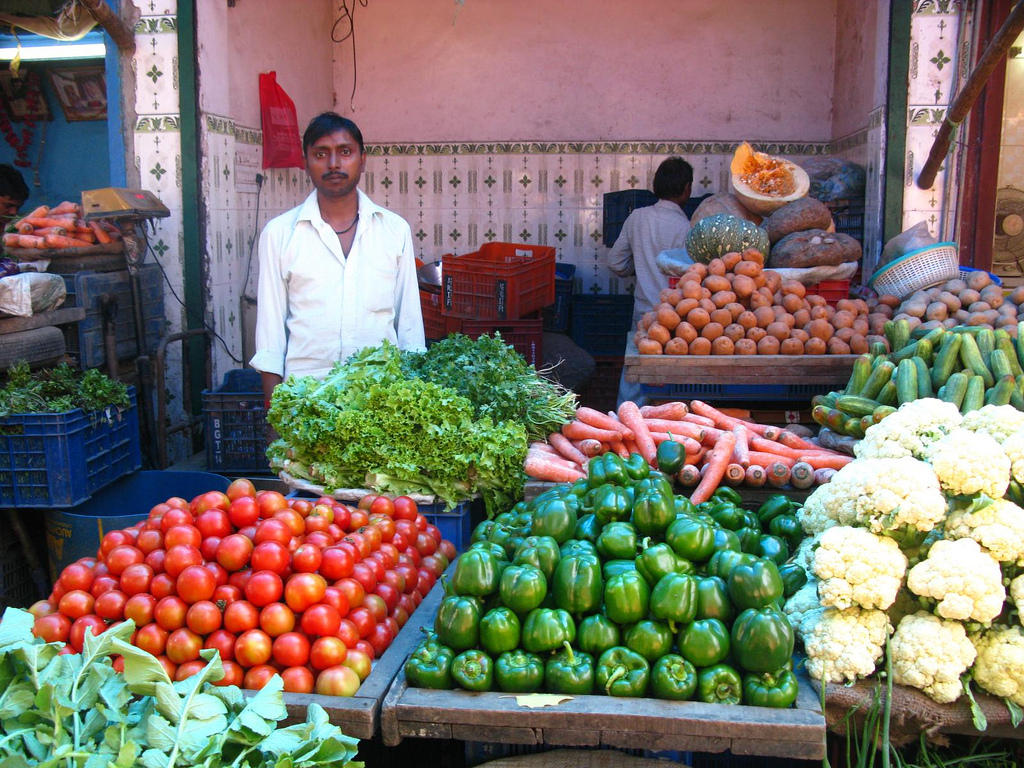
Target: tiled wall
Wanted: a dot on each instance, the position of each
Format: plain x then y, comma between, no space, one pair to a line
940,56
157,162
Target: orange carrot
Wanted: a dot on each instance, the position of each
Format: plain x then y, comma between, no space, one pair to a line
50,221
590,447
543,447
38,213
685,428
11,239
553,457
791,440
694,418
802,475
717,463
736,413
765,460
566,449
821,461
49,231
66,207
539,468
24,228
629,414
689,444
734,474
577,430
823,476
101,234
86,235
601,421
631,446
113,231
619,448
689,475
673,411
778,474
63,241
31,241
741,453
769,446
755,476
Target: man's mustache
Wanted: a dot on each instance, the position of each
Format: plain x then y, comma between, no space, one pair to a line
335,175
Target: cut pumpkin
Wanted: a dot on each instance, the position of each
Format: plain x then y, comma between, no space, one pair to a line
764,183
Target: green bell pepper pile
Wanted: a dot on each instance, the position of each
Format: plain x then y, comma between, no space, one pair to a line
615,586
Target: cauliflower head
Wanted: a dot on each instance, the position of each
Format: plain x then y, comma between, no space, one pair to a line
999,668
804,554
880,494
1016,593
844,645
803,606
1013,446
966,581
931,653
906,604
910,431
997,526
856,567
968,462
996,421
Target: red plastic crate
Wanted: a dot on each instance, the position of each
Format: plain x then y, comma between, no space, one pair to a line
525,336
501,281
833,290
436,325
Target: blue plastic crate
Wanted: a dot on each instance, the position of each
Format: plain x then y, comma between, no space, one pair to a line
50,460
84,340
556,316
456,525
754,392
600,323
236,424
618,206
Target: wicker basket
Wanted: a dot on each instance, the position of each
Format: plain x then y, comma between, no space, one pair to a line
918,269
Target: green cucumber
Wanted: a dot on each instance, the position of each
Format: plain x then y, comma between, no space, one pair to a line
853,405
986,339
907,352
1005,342
881,412
829,400
1018,344
859,375
924,378
1000,364
971,357
888,395
878,349
906,380
955,389
897,332
1000,394
946,360
974,399
878,379
853,427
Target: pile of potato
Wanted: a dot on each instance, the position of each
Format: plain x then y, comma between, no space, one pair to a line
975,301
734,306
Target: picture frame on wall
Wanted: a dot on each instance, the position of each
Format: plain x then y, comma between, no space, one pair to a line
81,91
21,98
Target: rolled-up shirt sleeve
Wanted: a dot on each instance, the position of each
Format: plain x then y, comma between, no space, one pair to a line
408,313
272,308
620,257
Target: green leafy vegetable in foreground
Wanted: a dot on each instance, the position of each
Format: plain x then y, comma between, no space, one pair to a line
368,426
59,389
75,710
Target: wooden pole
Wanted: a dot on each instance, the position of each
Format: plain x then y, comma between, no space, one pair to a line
121,33
961,106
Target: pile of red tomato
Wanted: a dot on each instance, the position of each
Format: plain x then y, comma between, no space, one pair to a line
312,590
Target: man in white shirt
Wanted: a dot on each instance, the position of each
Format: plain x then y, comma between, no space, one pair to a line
337,273
647,232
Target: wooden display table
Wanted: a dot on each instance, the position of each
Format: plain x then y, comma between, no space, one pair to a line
827,371
590,721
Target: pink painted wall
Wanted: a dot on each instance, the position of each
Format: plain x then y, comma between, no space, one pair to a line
291,37
598,70
860,64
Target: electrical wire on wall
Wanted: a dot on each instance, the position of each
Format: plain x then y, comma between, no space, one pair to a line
344,29
252,242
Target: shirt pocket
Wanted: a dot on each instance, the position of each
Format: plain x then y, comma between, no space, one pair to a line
379,284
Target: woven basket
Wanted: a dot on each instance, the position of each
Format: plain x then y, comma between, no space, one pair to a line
918,269
965,272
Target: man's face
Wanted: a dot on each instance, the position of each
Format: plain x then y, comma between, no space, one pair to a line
9,208
335,164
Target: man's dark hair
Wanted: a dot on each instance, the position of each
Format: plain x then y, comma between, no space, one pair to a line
671,178
12,184
326,123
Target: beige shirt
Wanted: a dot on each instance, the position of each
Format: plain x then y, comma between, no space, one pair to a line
318,306
647,232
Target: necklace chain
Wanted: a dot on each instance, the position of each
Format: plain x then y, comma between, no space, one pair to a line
349,227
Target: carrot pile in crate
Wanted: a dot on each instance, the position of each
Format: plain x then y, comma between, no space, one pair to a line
59,227
719,448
